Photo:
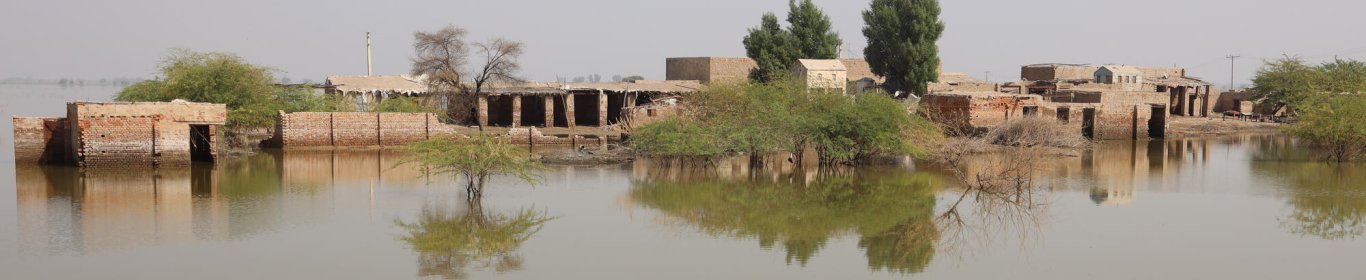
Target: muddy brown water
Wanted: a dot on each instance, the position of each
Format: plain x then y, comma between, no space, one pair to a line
1233,207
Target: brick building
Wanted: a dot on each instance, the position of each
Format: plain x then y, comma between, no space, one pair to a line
122,134
1098,115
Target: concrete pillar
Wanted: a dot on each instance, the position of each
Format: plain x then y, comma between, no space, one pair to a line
483,111
602,109
569,109
516,111
549,111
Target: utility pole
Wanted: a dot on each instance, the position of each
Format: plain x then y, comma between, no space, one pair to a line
1231,70
369,63
988,76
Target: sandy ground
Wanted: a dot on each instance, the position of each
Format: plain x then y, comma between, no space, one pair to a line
1185,126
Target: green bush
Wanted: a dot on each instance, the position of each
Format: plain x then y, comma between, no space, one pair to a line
757,119
676,138
1333,124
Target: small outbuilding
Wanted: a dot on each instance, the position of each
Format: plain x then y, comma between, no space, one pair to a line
822,73
122,134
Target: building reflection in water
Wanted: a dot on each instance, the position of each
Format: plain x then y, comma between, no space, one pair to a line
64,210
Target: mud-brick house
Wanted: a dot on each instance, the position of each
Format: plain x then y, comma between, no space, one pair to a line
122,135
367,91
822,74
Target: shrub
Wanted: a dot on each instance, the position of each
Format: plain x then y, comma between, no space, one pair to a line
1332,123
1036,132
676,138
473,159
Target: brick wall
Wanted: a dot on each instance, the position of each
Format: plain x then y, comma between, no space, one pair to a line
138,134
709,69
117,141
40,140
1119,115
357,129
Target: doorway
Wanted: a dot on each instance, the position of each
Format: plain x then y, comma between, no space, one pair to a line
201,143
1088,123
1157,123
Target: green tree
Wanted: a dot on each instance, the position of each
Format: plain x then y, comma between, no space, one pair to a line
775,49
902,37
812,31
772,48
247,90
473,159
1333,125
1283,82
763,118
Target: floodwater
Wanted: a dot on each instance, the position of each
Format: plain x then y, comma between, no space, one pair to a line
1235,207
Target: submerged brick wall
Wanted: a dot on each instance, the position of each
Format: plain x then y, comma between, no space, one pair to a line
117,141
1118,115
40,140
357,129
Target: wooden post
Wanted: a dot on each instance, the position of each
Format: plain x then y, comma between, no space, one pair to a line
516,111
483,111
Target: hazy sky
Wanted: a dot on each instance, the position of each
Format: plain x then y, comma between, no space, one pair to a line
312,39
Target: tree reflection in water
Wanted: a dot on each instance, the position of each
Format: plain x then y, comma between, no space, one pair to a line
891,211
1329,200
449,241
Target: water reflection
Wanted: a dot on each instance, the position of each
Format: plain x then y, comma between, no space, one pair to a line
892,212
1329,200
65,210
450,240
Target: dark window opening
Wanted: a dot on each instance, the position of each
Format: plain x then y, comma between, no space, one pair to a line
1065,115
1031,111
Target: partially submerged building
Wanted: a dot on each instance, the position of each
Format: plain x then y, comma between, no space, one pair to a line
367,91
122,134
1126,115
572,105
1187,96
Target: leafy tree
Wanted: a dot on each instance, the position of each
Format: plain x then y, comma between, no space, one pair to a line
403,105
1326,98
902,37
775,49
760,119
632,78
1333,125
247,90
772,48
473,159
1284,81
812,31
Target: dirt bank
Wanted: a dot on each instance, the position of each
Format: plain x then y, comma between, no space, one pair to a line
1187,126
586,157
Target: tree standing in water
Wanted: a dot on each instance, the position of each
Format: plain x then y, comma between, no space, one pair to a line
473,159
